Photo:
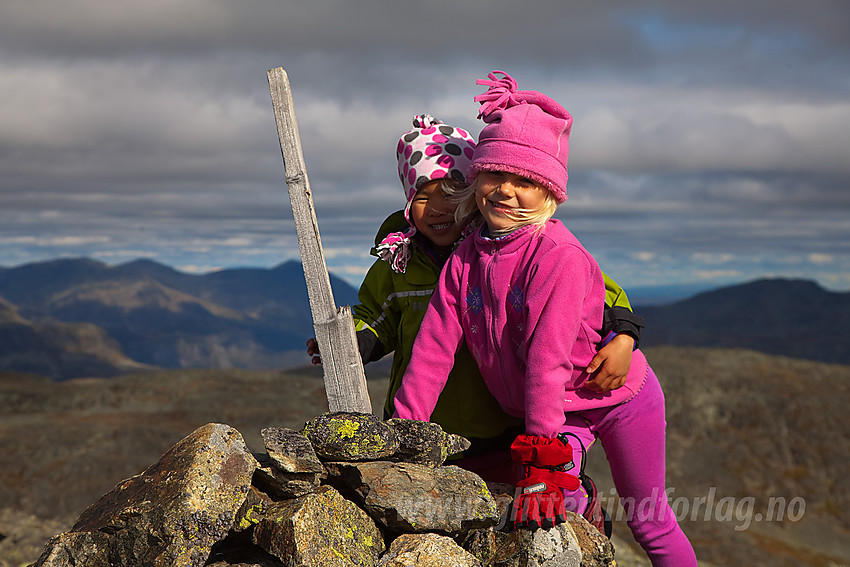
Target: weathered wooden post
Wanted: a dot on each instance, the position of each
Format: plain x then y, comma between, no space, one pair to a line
345,380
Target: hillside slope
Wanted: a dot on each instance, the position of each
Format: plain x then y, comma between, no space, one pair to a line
59,350
742,427
755,436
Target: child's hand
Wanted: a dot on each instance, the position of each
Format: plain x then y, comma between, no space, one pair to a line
612,363
313,351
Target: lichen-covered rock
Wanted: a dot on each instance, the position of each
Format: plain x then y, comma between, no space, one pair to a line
252,510
596,548
425,443
406,497
76,548
572,544
290,451
538,548
504,495
239,550
281,484
169,515
427,550
481,543
320,530
555,547
347,436
248,562
510,549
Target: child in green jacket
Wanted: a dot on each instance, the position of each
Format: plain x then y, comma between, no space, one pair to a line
412,246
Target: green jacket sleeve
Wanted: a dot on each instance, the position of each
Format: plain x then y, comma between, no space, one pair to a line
618,317
615,296
375,313
377,328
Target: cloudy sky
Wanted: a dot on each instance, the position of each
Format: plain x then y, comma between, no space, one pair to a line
711,141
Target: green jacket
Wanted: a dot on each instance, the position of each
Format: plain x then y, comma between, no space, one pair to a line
392,306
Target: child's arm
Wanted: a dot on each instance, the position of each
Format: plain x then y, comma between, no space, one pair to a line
621,333
370,347
556,309
437,342
375,320
619,317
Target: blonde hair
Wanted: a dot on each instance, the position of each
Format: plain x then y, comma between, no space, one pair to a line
467,210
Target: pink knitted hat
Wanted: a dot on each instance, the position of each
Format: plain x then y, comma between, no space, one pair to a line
431,150
527,133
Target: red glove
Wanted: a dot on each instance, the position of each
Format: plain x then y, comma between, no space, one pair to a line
541,502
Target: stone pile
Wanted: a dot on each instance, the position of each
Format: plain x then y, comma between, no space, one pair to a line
346,490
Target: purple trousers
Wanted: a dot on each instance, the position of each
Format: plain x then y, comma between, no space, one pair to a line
633,436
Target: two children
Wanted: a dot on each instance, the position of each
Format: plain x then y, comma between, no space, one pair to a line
413,245
527,298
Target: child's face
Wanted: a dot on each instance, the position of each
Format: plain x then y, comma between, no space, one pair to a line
502,196
433,215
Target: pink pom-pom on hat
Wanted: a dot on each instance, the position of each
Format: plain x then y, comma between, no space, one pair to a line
526,133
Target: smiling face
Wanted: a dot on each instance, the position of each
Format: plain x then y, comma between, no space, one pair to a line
432,213
505,199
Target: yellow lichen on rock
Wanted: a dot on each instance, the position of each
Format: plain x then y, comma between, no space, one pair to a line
345,428
320,529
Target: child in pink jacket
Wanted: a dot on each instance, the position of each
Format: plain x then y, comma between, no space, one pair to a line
527,299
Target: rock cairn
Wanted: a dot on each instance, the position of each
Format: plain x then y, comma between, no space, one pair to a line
347,490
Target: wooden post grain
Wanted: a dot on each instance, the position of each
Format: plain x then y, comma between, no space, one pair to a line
345,380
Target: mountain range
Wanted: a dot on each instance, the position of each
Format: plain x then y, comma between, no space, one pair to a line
794,318
78,317
155,316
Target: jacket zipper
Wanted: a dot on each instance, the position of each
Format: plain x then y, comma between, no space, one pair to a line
491,316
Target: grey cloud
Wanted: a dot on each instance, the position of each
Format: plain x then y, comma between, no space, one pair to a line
715,127
551,35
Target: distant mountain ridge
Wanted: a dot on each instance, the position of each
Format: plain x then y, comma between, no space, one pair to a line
243,317
794,318
146,313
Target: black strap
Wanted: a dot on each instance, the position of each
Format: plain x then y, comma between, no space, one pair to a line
562,436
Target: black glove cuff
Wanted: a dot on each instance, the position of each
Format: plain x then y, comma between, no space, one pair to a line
370,347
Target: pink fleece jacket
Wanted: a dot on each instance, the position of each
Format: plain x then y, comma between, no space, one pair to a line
529,305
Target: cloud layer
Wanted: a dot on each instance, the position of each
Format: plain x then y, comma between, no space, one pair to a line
710,139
